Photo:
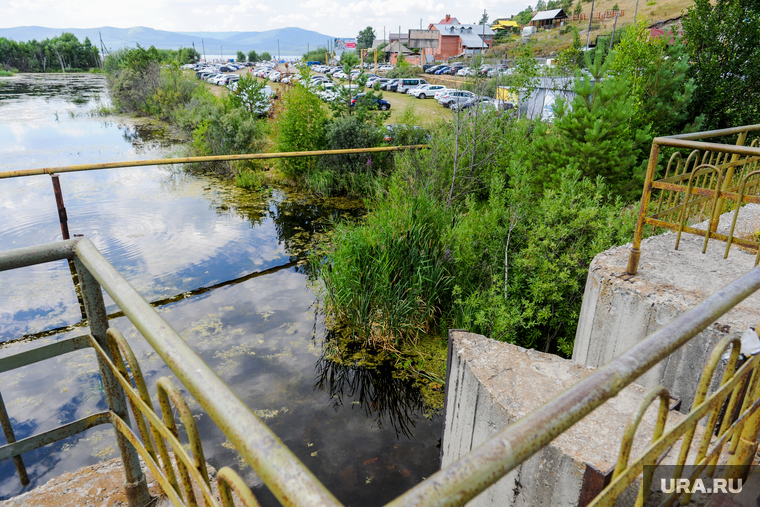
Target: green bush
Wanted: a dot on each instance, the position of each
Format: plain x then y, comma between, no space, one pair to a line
300,126
354,174
522,259
388,278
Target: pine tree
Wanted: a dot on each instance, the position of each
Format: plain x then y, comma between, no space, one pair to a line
593,133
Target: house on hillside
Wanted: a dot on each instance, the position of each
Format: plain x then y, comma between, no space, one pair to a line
457,39
448,20
504,24
548,19
394,48
395,37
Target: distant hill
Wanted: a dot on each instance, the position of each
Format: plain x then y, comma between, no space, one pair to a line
293,41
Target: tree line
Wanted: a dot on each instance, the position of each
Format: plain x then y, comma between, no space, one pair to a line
60,53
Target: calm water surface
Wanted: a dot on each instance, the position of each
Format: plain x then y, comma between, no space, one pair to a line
226,268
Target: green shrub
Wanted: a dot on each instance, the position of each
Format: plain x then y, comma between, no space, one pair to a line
522,259
300,126
388,278
354,174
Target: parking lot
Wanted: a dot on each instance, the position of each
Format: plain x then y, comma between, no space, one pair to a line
427,110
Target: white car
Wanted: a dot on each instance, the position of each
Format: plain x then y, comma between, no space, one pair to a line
385,67
440,93
215,79
427,91
455,97
340,75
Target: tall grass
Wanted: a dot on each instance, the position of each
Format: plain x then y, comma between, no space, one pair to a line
388,278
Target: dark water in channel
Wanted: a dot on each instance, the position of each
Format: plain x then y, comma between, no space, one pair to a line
226,266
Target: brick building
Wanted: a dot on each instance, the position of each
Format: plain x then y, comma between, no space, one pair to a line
455,39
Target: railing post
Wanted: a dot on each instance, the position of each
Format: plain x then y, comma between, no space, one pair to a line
10,438
633,257
718,211
136,485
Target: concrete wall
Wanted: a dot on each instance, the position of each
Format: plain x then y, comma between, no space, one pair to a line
618,310
492,384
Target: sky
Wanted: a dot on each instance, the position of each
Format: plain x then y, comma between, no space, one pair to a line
331,17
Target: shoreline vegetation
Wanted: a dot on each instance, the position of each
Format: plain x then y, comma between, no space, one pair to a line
493,226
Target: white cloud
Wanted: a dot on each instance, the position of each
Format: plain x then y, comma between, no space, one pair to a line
340,19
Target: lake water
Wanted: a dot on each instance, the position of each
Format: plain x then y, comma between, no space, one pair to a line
227,268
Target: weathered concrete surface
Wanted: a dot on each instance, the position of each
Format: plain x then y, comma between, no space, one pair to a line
100,485
492,384
618,310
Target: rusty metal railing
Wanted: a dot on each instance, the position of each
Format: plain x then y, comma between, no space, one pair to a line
288,479
738,396
701,180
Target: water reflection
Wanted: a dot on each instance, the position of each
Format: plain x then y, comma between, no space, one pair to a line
224,266
388,400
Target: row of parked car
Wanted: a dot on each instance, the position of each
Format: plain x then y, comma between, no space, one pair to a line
456,100
460,69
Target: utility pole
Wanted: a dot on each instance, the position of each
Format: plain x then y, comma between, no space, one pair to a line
278,50
635,12
590,18
103,50
221,52
204,50
614,26
194,51
483,38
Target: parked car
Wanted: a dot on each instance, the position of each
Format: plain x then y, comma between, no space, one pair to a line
441,93
261,105
390,85
409,83
381,104
229,78
484,102
385,67
406,134
455,97
425,91
381,80
442,70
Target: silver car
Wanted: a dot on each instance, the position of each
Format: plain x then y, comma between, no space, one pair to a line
455,97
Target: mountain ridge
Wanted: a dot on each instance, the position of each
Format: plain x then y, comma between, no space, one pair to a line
292,40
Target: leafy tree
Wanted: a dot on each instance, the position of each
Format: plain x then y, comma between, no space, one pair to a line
523,17
265,56
316,55
253,56
724,48
240,57
300,126
578,9
541,5
572,58
660,88
365,38
483,19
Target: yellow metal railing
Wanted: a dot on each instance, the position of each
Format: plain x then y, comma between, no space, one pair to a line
701,180
729,435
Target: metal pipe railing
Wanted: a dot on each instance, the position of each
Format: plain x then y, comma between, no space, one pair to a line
288,479
210,158
467,477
